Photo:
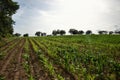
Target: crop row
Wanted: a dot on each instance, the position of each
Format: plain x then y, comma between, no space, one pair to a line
68,58
85,64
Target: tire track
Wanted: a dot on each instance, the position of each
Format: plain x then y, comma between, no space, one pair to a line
17,75
8,58
3,48
6,53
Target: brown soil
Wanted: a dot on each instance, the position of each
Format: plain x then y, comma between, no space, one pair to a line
11,64
7,45
4,62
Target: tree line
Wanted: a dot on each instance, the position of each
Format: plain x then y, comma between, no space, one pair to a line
81,32
74,31
71,31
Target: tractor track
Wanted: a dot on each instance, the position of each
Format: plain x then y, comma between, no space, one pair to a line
18,70
10,69
3,48
8,57
6,52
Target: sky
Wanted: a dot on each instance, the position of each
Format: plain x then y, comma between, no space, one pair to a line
49,15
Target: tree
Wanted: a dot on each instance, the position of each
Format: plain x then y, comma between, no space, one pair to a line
73,31
117,32
7,9
111,32
54,32
102,32
62,32
17,34
58,31
38,33
43,34
26,35
88,32
81,32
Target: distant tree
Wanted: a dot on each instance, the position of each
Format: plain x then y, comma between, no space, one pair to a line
111,32
26,35
54,32
102,32
38,33
58,31
62,32
88,32
49,35
73,31
81,32
117,32
43,34
17,34
105,32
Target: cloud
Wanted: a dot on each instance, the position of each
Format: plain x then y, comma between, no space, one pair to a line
47,15
31,14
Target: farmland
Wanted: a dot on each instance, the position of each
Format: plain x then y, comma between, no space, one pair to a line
78,57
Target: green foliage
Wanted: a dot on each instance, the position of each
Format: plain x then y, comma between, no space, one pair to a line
62,32
26,64
1,55
26,35
90,57
86,57
2,77
38,33
17,34
7,9
73,31
44,60
58,32
88,32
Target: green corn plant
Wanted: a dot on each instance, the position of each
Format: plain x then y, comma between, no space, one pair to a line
26,64
50,67
2,55
26,56
93,55
2,77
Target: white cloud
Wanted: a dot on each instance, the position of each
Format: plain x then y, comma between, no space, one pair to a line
46,15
